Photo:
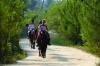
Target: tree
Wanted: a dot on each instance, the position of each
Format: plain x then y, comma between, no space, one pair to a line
10,23
90,24
67,21
76,19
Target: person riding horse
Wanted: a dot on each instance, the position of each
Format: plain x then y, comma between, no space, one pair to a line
31,34
43,38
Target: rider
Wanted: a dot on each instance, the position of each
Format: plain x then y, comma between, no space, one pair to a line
31,27
43,27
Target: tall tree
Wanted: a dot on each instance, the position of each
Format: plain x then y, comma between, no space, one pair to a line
10,23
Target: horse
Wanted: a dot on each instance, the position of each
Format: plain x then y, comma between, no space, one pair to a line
32,38
42,41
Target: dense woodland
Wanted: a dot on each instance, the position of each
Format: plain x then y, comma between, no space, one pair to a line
76,21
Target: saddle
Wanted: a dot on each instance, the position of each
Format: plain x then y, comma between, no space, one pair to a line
45,36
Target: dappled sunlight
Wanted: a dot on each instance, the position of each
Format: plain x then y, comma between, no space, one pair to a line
56,55
73,23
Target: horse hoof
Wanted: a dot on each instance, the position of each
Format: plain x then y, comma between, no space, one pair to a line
33,47
39,55
44,57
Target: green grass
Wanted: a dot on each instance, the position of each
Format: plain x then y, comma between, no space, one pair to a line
12,59
20,56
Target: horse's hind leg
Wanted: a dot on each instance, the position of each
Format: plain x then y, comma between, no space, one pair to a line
33,44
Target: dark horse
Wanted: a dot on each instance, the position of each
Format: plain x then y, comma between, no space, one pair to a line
32,38
42,43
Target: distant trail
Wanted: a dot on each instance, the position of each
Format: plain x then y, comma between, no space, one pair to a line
56,56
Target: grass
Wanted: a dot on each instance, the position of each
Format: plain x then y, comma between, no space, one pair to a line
12,59
20,56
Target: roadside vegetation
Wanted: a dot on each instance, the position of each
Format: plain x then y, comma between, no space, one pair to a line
76,22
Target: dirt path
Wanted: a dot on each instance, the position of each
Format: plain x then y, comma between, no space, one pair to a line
56,56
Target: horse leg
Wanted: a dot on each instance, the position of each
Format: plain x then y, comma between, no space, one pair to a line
39,53
30,42
33,39
44,53
44,50
33,45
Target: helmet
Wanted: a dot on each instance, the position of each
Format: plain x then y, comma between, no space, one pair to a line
44,21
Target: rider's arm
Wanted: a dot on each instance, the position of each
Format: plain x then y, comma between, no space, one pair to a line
46,27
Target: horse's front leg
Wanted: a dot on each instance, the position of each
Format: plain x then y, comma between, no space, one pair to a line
40,53
44,53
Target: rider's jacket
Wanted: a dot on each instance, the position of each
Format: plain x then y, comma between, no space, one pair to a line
31,27
42,27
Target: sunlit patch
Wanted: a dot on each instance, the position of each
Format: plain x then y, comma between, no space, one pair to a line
56,55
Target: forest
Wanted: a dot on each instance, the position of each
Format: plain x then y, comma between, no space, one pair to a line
76,21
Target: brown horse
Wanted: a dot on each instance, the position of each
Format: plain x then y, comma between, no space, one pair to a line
32,38
42,43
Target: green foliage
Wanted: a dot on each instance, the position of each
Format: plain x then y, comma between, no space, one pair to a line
89,19
53,17
63,18
11,12
78,22
56,40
